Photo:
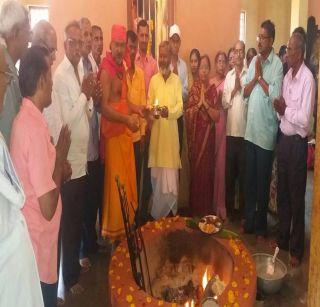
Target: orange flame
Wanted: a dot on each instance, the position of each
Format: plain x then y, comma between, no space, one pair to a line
205,279
189,304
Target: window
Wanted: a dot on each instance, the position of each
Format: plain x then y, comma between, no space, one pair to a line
38,13
242,33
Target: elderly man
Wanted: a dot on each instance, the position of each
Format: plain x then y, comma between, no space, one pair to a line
86,35
116,127
43,34
165,91
235,103
97,45
295,109
89,235
72,92
15,30
178,66
263,85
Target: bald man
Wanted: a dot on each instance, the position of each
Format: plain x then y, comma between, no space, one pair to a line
43,34
234,102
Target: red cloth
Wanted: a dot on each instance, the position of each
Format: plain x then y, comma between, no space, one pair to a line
118,33
109,64
201,139
111,129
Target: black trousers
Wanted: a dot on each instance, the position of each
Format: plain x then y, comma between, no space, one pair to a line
49,294
92,206
235,170
143,215
73,193
292,178
138,160
258,175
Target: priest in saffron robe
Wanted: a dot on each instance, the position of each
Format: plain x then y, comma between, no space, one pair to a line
117,125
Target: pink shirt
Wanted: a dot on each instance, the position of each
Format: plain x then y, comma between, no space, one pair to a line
299,95
149,67
34,158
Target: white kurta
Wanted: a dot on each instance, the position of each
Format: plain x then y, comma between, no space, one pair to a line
165,186
19,279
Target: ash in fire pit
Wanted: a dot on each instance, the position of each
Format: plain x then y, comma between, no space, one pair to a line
178,262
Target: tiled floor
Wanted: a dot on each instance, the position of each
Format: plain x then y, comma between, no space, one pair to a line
292,294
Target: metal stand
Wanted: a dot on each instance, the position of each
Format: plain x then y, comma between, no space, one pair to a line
135,240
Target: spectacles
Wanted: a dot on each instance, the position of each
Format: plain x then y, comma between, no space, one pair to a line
51,50
74,43
291,49
238,51
262,38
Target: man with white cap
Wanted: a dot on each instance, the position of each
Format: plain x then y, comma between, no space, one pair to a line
178,66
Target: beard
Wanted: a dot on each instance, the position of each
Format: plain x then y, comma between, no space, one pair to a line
164,70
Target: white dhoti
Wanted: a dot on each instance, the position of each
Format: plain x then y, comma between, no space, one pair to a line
165,187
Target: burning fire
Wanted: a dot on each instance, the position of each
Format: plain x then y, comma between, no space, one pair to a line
191,304
205,279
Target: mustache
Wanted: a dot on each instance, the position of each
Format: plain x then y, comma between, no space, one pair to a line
164,70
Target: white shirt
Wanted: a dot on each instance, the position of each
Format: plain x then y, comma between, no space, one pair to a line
95,67
19,278
70,106
299,95
236,106
183,75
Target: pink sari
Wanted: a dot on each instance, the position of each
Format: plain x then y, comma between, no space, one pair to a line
220,162
201,135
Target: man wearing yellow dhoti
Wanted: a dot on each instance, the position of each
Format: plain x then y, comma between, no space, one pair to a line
117,125
165,91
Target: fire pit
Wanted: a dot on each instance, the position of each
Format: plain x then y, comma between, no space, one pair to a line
184,265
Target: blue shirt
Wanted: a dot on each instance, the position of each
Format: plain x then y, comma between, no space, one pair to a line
262,122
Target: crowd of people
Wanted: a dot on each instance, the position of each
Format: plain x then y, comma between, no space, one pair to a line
174,134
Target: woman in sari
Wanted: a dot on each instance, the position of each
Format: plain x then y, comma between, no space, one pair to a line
193,74
221,65
184,182
201,115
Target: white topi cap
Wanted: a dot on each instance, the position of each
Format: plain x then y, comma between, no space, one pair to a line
174,29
